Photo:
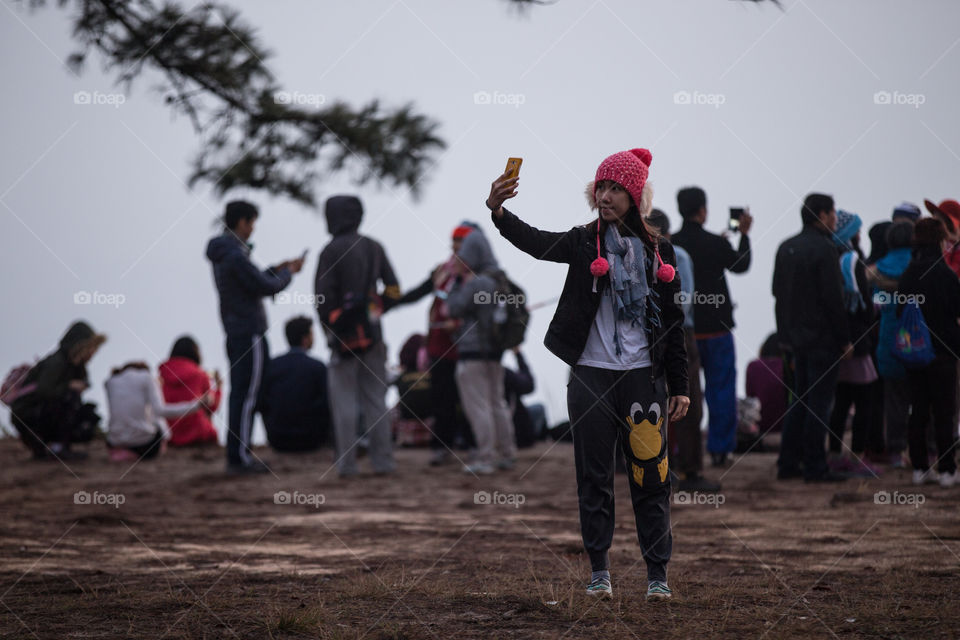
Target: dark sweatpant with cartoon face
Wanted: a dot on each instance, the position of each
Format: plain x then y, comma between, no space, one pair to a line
626,408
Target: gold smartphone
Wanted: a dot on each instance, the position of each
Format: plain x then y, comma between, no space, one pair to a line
513,167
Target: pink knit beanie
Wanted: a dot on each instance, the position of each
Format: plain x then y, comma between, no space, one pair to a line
628,169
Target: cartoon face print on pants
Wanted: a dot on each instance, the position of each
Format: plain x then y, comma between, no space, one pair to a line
646,438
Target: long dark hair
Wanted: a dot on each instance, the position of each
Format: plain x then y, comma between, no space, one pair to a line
633,224
186,347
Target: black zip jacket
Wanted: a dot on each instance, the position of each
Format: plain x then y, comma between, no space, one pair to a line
570,327
808,287
712,255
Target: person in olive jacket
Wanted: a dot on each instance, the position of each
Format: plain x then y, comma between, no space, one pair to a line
619,326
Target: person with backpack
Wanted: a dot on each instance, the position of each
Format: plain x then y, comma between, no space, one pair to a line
442,350
184,380
930,291
813,328
242,286
885,275
619,326
349,303
477,298
47,409
134,429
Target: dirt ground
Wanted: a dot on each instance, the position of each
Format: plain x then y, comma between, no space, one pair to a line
174,549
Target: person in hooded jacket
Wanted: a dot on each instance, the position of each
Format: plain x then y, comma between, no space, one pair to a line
183,380
619,326
50,414
242,286
350,303
480,375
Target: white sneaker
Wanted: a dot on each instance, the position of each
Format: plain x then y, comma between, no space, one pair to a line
948,479
925,477
478,469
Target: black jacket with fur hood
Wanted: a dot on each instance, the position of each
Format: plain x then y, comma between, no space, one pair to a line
570,327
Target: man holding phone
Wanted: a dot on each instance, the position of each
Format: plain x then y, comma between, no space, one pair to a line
713,312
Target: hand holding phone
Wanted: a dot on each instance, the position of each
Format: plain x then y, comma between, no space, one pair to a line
505,186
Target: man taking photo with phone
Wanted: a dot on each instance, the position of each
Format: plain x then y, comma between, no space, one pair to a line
713,314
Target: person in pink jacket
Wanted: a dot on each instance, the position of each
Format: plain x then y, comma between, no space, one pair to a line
184,380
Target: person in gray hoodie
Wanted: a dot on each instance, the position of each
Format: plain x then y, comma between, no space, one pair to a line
474,299
349,303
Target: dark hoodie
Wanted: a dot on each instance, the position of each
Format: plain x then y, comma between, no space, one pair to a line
350,267
53,374
242,286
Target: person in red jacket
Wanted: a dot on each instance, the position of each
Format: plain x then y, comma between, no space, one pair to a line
184,380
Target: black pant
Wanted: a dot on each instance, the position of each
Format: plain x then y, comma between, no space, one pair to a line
867,401
687,437
150,449
805,425
448,422
247,356
62,421
629,409
933,387
294,442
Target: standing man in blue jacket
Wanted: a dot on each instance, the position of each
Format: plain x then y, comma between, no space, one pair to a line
242,286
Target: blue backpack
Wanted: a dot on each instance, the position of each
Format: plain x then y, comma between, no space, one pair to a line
912,345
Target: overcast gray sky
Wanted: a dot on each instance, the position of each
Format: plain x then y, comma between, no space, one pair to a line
756,105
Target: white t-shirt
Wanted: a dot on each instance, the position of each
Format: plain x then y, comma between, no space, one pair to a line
601,351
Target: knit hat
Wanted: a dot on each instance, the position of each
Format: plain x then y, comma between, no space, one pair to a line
848,224
948,211
906,210
629,169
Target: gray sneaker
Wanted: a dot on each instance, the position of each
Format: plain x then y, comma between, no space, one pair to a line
600,588
657,590
478,469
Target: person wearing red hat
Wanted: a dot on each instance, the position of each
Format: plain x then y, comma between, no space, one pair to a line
948,212
442,350
619,325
